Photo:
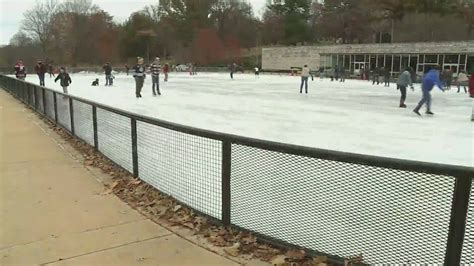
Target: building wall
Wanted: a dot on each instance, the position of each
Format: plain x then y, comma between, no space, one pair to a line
283,58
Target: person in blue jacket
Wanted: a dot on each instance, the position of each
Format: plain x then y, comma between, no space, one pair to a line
430,80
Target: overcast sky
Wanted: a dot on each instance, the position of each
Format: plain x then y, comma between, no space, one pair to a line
11,12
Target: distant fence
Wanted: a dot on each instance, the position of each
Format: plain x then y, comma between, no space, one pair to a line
327,202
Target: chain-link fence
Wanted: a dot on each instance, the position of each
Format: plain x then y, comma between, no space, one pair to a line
391,211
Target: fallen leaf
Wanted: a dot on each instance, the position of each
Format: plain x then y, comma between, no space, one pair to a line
177,208
296,254
234,250
278,260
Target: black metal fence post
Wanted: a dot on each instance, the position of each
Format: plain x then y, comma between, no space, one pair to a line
457,223
71,115
55,108
134,147
43,91
94,125
226,172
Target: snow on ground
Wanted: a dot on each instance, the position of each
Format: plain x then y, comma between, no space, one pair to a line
353,117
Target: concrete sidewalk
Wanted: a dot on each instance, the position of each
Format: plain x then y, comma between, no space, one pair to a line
53,211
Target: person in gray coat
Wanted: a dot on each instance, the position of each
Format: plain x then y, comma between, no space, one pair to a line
403,82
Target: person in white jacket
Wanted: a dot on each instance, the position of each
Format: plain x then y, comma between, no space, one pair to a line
463,80
305,72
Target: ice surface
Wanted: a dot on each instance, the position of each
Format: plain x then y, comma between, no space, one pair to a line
354,116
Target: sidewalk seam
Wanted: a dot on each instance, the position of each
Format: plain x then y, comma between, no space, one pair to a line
105,249
72,233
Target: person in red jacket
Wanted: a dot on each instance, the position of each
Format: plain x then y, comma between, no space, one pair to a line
471,85
20,70
166,70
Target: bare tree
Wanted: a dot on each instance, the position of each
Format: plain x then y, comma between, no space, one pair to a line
81,7
37,21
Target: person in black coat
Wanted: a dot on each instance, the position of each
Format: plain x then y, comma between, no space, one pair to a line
65,79
386,77
108,74
95,82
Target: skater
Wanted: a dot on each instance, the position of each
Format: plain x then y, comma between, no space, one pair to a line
305,72
430,80
342,72
331,73
257,71
403,81
463,80
108,74
321,73
95,82
20,70
64,78
336,72
50,70
471,85
232,68
40,69
449,79
166,70
376,76
386,76
155,69
127,68
139,75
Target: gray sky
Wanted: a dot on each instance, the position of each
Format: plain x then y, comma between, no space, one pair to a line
11,12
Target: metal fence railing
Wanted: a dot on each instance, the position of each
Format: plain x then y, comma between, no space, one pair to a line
340,204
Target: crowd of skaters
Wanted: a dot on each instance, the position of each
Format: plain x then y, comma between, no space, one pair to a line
434,77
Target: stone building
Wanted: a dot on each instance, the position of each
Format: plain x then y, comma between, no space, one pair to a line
353,57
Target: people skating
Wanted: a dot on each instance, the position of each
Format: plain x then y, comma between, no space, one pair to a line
430,80
139,76
155,69
108,74
376,76
403,82
41,70
342,73
471,85
321,73
257,71
65,79
449,79
127,68
166,70
20,70
305,73
232,69
336,72
95,82
462,81
50,70
386,76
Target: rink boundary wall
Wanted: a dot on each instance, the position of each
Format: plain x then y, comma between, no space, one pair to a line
34,96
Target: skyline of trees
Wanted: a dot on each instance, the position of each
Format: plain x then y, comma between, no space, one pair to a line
211,32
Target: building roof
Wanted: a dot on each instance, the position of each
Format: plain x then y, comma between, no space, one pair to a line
390,48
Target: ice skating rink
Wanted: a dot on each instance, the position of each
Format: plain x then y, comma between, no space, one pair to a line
354,116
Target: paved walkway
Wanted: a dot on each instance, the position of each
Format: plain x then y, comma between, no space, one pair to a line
52,211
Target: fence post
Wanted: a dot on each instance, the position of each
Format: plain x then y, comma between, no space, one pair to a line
35,97
134,146
457,223
226,169
44,100
71,115
55,108
94,124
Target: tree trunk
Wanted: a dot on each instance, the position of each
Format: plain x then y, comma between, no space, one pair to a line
392,39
